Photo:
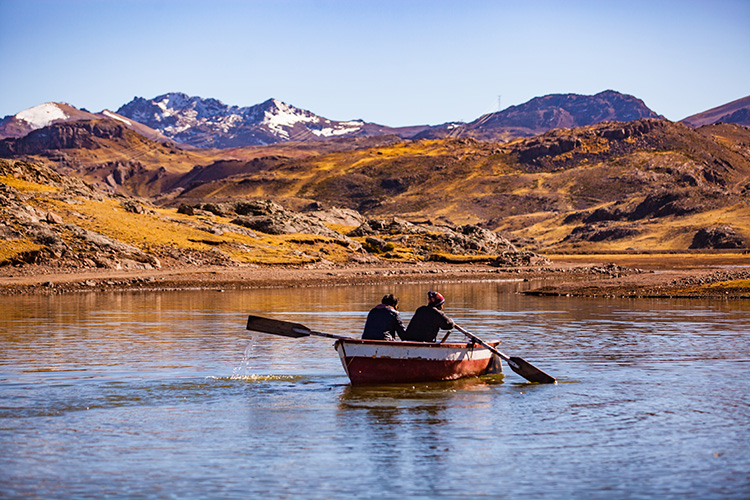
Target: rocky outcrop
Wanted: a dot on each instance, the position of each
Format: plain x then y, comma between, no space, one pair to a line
430,240
265,216
43,236
66,135
718,237
520,259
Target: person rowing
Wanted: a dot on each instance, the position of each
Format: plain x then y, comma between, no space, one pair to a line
384,321
428,320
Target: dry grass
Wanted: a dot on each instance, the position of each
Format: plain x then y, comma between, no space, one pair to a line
27,186
11,248
167,228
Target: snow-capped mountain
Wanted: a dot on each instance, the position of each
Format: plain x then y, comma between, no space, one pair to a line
211,123
49,113
40,116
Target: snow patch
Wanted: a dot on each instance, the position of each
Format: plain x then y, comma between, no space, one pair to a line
285,117
109,114
42,115
331,132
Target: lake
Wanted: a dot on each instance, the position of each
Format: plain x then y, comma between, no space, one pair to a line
166,395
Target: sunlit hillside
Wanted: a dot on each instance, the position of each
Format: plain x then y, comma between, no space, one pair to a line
646,185
642,186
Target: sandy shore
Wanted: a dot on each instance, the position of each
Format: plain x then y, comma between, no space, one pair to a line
711,275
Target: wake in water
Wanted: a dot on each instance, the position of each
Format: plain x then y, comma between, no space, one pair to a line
259,378
241,372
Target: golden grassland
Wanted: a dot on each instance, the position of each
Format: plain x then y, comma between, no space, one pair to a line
27,186
12,247
153,232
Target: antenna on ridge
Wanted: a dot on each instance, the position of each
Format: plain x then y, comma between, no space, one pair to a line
499,99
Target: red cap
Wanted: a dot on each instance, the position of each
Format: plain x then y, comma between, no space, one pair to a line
435,299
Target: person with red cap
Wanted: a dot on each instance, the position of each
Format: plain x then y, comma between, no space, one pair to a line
428,320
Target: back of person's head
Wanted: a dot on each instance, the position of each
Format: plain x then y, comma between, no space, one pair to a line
390,300
434,299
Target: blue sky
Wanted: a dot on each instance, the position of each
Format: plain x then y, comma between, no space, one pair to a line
396,63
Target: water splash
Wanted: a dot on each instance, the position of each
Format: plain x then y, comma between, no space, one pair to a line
241,372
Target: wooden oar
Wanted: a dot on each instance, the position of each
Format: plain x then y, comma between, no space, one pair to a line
285,328
518,365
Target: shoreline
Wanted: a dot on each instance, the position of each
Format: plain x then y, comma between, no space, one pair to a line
659,276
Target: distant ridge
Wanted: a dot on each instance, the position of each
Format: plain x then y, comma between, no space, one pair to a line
554,111
733,112
209,123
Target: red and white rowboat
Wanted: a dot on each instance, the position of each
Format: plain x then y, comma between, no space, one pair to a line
385,362
388,362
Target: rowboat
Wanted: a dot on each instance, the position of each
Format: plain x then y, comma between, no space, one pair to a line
389,362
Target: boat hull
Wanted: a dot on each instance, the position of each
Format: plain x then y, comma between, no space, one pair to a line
388,362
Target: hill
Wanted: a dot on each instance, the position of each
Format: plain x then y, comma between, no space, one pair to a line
549,112
734,112
643,185
59,221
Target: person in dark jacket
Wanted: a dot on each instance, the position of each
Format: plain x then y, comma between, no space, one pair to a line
428,320
383,321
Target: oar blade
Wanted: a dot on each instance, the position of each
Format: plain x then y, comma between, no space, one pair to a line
276,327
529,371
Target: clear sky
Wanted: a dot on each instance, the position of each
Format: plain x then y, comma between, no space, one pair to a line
391,62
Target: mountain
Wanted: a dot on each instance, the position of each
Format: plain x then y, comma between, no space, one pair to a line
209,123
31,119
734,112
116,155
50,113
553,111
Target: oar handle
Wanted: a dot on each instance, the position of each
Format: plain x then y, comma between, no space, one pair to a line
329,335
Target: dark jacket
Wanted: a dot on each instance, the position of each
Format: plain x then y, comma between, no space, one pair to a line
426,323
383,323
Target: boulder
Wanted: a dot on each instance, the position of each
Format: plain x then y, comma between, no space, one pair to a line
718,237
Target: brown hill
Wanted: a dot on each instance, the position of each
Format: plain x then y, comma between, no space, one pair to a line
644,185
549,112
734,112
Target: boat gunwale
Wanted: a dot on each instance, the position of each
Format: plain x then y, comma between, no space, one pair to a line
413,343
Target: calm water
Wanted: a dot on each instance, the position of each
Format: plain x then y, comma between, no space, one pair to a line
165,395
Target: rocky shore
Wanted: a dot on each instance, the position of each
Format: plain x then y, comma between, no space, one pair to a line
567,277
